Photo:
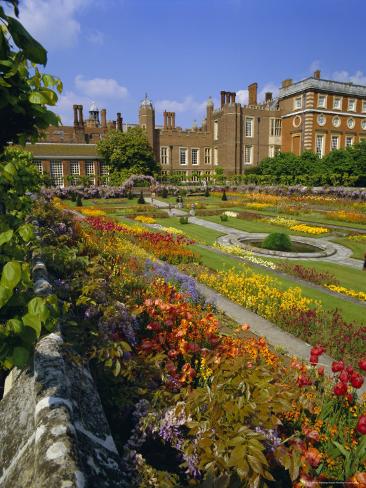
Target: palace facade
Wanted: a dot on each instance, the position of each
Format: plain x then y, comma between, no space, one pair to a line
312,114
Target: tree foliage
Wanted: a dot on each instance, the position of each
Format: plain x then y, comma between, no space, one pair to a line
129,151
25,91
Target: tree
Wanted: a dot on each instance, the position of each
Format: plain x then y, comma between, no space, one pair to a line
128,151
25,92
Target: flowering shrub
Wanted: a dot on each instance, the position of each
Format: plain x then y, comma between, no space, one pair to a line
308,274
145,219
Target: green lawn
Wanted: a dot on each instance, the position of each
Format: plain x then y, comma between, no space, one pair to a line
196,232
350,311
255,226
358,248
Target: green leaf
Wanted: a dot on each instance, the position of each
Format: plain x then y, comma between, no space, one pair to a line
6,236
10,168
33,321
5,295
32,49
117,368
12,272
37,306
14,325
28,335
26,232
20,357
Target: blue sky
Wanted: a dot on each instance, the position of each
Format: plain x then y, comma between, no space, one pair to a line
182,51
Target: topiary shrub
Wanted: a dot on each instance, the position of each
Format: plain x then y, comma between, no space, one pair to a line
164,192
207,192
224,197
130,195
183,220
141,199
277,242
224,218
79,202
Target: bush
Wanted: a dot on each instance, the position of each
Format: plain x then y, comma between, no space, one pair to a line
277,242
141,199
224,197
224,218
164,192
183,220
79,201
207,192
130,195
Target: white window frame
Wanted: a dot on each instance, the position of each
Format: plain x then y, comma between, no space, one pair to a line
164,155
249,133
332,138
216,130
197,156
73,165
298,102
348,141
340,99
216,156
57,173
104,169
39,166
208,155
350,100
363,106
249,159
183,151
275,127
320,149
323,97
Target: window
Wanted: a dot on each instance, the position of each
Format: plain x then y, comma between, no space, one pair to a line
57,173
363,124
249,122
75,168
350,123
336,121
89,168
164,155
183,155
248,154
363,105
322,101
271,151
216,130
216,156
334,143
195,156
297,102
352,104
349,141
39,166
321,119
337,103
207,155
104,169
320,145
275,127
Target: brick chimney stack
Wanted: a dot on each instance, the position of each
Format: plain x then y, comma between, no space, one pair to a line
119,122
103,118
76,120
287,83
252,89
81,118
317,74
173,119
268,97
165,115
222,93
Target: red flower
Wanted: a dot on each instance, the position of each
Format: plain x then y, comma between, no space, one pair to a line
321,371
314,359
313,457
304,380
350,397
317,351
337,366
362,364
349,370
356,380
361,425
344,376
340,389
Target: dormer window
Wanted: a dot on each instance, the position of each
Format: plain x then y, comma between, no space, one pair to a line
297,103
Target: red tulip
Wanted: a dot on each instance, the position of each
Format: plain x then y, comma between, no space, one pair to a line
343,377
362,364
349,370
321,370
361,425
317,351
340,389
350,397
356,380
314,359
337,366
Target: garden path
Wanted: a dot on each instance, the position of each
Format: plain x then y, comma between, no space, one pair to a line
342,255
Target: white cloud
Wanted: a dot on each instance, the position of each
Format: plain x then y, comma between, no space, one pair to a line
242,97
65,103
96,38
53,22
359,78
100,88
189,104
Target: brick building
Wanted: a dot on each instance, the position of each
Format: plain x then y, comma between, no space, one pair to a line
312,114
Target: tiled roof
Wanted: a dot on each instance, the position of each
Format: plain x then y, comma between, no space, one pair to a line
60,151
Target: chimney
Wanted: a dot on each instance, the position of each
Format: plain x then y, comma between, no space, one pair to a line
233,96
81,118
317,74
165,114
287,83
103,118
173,120
222,98
119,122
252,89
76,120
268,97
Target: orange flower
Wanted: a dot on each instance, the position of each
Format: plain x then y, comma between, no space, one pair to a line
313,457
